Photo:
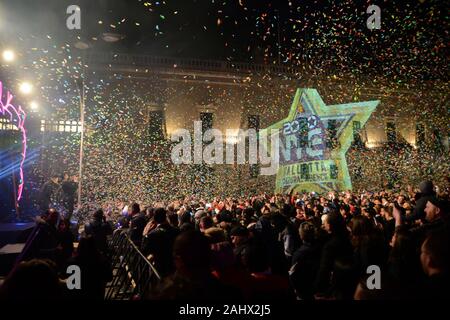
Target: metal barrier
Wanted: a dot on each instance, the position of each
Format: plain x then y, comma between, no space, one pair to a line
133,274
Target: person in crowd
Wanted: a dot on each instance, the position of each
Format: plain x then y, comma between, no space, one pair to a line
49,193
436,217
224,263
266,285
193,280
34,280
158,243
435,260
368,242
206,222
65,242
43,242
248,217
388,222
99,229
305,262
186,221
335,276
345,212
199,214
403,269
137,225
95,270
128,214
173,220
225,220
299,217
69,187
263,225
240,238
285,234
151,222
426,193
268,247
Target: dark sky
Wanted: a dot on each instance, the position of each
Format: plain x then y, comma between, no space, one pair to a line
319,33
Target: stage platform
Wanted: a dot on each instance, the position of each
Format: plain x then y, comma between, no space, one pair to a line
15,232
12,240
15,226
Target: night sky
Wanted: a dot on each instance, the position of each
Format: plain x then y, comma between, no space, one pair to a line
411,42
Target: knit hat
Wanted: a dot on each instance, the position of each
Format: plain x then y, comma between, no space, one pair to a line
442,204
426,187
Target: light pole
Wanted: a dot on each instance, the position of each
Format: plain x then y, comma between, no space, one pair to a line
80,167
81,45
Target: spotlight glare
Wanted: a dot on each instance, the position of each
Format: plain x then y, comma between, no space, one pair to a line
34,105
8,55
26,87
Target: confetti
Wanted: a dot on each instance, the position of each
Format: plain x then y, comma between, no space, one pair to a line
403,64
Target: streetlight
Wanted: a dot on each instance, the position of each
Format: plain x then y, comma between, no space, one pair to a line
8,55
26,88
107,37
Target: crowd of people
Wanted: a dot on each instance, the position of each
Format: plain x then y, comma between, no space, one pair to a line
59,192
261,247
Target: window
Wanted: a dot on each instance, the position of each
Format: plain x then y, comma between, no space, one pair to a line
356,128
333,171
420,134
207,120
356,136
391,133
253,122
331,133
437,140
60,126
5,124
156,124
302,137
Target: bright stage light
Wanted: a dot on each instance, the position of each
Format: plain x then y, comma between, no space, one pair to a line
232,139
8,55
34,106
26,87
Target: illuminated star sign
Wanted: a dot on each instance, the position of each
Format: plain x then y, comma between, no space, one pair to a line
313,141
17,117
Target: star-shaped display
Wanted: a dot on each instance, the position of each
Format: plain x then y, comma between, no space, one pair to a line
313,141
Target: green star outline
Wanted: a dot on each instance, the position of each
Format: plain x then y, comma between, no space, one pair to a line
349,112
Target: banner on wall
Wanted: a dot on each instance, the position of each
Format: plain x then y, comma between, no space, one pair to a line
313,141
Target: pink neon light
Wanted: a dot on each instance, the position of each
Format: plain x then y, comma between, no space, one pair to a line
20,115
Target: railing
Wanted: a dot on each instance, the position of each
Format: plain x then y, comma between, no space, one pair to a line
133,275
149,61
142,62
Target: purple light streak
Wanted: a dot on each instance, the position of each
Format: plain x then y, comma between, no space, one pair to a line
20,116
